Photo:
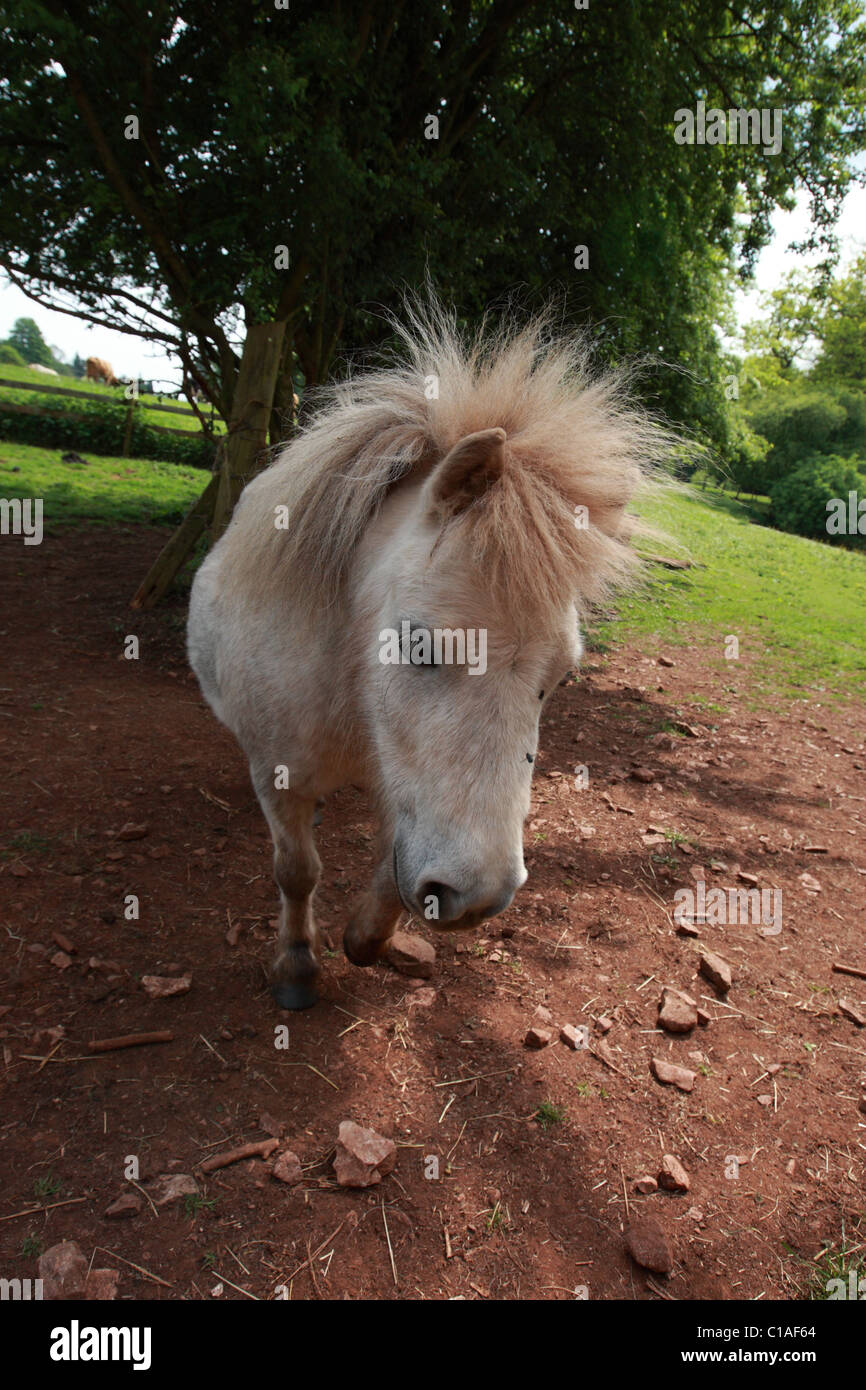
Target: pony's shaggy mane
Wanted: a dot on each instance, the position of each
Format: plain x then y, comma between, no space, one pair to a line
574,440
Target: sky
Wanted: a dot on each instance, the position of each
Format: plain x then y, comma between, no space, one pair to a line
131,356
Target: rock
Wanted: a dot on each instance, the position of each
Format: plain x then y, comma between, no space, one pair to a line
363,1157
810,884
862,1105
604,1023
649,1246
704,1019
101,1285
718,866
275,1128
643,774
716,970
671,1075
673,1176
765,1100
751,879
677,1011
538,1037
132,832
63,1270
646,1185
61,960
542,1015
162,987
173,1187
411,955
63,942
124,1206
686,927
424,997
575,1038
50,1035
848,1010
287,1167
666,661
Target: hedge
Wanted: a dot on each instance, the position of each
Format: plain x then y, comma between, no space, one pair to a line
101,427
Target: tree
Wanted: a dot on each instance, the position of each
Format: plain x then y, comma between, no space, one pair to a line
272,176
843,330
790,322
27,337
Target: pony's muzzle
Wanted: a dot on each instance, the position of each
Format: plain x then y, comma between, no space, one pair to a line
437,901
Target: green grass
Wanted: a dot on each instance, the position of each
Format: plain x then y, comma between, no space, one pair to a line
107,491
549,1114
187,421
798,607
837,1266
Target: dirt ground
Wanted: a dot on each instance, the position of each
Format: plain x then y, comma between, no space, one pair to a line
538,1150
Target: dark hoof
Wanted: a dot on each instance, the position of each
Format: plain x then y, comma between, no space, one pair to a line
367,955
295,996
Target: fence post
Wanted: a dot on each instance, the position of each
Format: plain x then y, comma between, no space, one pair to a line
127,433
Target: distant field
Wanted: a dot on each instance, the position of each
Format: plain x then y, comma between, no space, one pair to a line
187,421
798,607
102,490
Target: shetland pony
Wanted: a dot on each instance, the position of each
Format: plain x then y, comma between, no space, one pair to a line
476,483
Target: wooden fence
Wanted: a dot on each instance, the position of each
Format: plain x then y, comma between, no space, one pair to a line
18,409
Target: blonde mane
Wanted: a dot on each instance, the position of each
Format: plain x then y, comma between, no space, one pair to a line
574,441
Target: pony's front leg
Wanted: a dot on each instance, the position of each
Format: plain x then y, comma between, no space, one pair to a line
375,919
296,869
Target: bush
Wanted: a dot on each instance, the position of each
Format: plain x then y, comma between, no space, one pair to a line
100,426
802,500
801,423
9,353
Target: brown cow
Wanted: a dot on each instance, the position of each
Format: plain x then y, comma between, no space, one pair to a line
95,369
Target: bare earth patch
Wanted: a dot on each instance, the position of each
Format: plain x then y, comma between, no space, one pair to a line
546,1155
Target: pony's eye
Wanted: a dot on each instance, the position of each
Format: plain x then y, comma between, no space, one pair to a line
418,648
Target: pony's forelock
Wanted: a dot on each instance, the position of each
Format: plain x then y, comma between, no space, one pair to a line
551,529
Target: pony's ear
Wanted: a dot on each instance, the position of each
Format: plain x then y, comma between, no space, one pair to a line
466,472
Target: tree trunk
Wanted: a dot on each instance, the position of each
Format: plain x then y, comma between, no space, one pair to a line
246,445
172,556
283,412
240,456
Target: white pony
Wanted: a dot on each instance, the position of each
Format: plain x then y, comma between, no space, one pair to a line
477,486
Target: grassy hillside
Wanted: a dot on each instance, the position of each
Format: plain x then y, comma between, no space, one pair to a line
797,607
186,421
102,490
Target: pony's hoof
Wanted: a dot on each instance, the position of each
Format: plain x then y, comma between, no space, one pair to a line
367,954
294,996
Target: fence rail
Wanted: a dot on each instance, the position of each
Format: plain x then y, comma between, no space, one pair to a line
15,408
90,396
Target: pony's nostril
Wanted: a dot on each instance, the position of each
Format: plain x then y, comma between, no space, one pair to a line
436,901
